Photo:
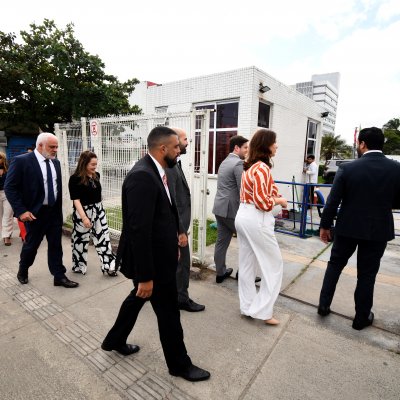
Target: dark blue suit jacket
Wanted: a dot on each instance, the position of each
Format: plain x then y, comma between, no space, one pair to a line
367,189
24,185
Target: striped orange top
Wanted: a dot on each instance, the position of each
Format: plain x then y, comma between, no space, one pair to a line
258,187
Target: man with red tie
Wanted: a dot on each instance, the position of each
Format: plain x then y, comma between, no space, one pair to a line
148,254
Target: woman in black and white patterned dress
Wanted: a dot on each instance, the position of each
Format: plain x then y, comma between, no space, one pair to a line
89,217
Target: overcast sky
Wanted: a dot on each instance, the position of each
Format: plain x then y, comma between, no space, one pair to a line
164,41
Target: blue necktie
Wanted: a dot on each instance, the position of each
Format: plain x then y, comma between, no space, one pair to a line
50,188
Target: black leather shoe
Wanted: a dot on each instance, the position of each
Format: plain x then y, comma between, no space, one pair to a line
258,279
66,283
323,311
125,349
192,374
361,324
221,278
191,306
22,277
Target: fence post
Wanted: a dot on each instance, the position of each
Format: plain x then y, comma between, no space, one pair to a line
303,222
202,232
84,134
66,202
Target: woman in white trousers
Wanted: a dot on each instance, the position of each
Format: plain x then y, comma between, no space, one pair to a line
6,212
258,247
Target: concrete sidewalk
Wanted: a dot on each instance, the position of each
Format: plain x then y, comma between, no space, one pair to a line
50,336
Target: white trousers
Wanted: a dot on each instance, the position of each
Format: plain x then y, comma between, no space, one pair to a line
258,253
6,216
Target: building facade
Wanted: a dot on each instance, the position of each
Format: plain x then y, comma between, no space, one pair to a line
324,89
241,101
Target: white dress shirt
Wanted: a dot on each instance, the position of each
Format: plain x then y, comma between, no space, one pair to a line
42,164
161,171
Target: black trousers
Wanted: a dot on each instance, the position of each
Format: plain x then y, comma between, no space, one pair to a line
48,223
183,274
165,305
369,256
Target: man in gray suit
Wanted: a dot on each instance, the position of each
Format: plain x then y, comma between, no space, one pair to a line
227,200
179,189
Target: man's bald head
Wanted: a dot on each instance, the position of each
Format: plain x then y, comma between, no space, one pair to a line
183,140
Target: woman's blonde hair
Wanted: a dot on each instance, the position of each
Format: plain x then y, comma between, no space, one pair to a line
3,161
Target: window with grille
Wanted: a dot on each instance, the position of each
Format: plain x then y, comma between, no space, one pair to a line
223,125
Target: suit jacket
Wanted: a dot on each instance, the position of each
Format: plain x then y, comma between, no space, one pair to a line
148,247
227,199
367,189
24,185
179,189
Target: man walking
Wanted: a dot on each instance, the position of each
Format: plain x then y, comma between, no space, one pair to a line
33,188
148,254
366,190
181,193
226,202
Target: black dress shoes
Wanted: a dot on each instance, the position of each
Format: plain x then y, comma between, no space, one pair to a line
125,349
361,324
22,277
191,306
258,279
192,374
323,311
66,283
221,278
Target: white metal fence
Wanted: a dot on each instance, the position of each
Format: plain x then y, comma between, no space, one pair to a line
119,142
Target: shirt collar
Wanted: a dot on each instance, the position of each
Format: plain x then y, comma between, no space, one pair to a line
39,156
160,169
372,151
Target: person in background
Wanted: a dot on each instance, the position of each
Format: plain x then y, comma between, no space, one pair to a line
258,247
311,172
367,189
226,202
6,212
34,189
181,193
89,217
21,225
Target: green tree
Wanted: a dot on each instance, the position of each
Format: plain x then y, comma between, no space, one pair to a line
48,77
391,130
334,147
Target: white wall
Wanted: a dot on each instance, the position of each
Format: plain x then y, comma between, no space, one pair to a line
290,111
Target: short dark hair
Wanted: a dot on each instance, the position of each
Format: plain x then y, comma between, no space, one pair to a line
236,141
372,137
311,156
260,143
158,135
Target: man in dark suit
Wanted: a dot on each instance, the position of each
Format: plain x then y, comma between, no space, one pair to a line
148,254
366,190
33,188
181,193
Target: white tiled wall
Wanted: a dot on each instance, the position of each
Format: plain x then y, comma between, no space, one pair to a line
290,111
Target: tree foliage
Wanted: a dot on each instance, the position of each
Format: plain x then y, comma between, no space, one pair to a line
334,147
391,130
48,77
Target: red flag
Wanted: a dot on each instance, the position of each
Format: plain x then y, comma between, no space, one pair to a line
355,135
